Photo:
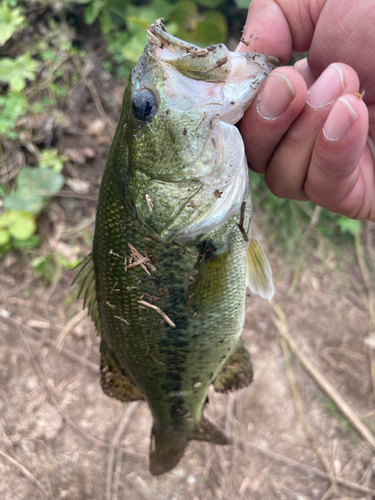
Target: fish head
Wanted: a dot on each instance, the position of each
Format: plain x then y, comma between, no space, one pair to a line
182,103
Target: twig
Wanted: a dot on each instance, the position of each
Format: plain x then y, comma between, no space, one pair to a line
324,383
67,194
138,262
307,469
69,327
229,412
47,81
24,470
42,375
328,494
158,310
78,227
291,494
150,203
240,224
370,238
67,352
111,463
366,479
99,106
300,416
16,289
371,303
139,257
47,384
313,221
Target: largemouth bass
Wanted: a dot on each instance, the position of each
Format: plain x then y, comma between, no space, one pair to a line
173,248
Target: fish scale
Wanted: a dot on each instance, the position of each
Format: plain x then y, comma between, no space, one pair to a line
173,248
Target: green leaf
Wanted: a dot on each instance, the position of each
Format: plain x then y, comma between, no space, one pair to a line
92,11
12,106
45,267
161,8
141,17
212,4
105,21
4,237
50,158
350,226
135,47
185,15
24,201
8,218
37,179
11,21
16,71
212,29
23,227
31,242
242,4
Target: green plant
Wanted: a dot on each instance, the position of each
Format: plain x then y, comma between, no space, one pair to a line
13,105
48,266
16,71
28,92
11,21
34,186
125,24
288,220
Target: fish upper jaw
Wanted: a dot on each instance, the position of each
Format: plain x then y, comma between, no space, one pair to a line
228,81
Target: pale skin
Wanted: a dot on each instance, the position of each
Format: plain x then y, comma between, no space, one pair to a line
309,131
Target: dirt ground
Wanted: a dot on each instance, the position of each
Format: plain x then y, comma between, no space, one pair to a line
62,438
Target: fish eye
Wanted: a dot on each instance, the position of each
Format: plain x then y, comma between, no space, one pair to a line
144,104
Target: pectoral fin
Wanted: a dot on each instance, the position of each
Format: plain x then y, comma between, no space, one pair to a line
86,280
258,271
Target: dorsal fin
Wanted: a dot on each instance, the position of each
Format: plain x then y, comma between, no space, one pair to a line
86,280
258,271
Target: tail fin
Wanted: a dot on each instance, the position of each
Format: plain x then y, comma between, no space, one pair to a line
167,447
166,450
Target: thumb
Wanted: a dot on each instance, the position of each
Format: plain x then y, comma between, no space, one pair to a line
278,28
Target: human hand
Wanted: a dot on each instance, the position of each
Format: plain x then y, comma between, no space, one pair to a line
321,150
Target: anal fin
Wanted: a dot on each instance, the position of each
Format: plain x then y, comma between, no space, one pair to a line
205,430
237,371
114,381
87,282
258,271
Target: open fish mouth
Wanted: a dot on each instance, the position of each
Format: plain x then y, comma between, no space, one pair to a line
216,86
241,75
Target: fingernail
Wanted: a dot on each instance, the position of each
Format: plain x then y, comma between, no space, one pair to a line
327,88
340,119
277,95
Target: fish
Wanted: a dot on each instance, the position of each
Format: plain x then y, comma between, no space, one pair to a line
173,249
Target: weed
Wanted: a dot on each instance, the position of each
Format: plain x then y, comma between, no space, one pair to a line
288,220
